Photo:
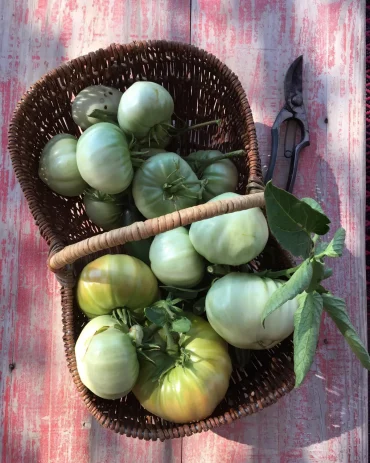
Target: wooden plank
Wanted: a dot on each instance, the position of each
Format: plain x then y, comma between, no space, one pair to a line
42,416
326,419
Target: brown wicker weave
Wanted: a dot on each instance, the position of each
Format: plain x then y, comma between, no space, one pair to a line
203,88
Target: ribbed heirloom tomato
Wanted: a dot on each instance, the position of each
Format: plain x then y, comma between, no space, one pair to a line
58,166
174,260
230,239
235,304
116,281
194,379
163,184
106,358
103,158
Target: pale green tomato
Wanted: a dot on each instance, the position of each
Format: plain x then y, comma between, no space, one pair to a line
235,304
198,381
174,261
143,107
230,239
222,176
106,359
165,183
115,281
103,158
58,166
100,97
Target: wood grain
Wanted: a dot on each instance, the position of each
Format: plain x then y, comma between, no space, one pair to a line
42,416
326,419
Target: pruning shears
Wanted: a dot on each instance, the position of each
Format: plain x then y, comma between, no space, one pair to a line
294,113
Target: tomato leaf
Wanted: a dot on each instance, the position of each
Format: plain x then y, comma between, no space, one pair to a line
292,221
103,115
314,204
336,309
306,333
328,272
156,315
336,245
298,283
181,325
318,270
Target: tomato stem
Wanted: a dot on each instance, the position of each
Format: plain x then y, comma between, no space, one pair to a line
200,165
179,132
150,330
218,269
281,273
172,347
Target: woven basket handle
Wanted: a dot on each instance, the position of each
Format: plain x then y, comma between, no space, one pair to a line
152,227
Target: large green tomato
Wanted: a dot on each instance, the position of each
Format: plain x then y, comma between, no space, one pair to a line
174,261
104,159
58,166
113,281
165,183
105,211
230,239
106,359
235,304
101,97
143,108
222,176
197,382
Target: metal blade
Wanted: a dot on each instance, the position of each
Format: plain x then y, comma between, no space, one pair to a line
293,81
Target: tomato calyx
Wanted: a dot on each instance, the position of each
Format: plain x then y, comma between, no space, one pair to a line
96,195
177,186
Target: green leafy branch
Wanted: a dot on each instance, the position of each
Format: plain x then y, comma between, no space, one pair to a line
298,226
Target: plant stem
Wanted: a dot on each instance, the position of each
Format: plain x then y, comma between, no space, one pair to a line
202,165
281,273
315,238
172,347
179,132
151,329
218,269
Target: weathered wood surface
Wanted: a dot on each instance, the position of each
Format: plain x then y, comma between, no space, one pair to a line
42,416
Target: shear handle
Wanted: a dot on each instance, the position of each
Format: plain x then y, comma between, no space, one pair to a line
295,156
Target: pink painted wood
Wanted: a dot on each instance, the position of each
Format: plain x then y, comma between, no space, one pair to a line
42,416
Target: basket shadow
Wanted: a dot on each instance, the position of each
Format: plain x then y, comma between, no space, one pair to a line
325,406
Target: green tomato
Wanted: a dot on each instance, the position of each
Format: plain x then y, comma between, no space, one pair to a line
105,211
115,281
222,176
103,158
58,166
197,381
163,184
143,107
235,304
230,239
101,97
174,261
106,359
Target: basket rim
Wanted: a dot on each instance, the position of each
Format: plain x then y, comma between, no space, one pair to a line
53,239
56,243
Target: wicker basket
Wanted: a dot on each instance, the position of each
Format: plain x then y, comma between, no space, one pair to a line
203,89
